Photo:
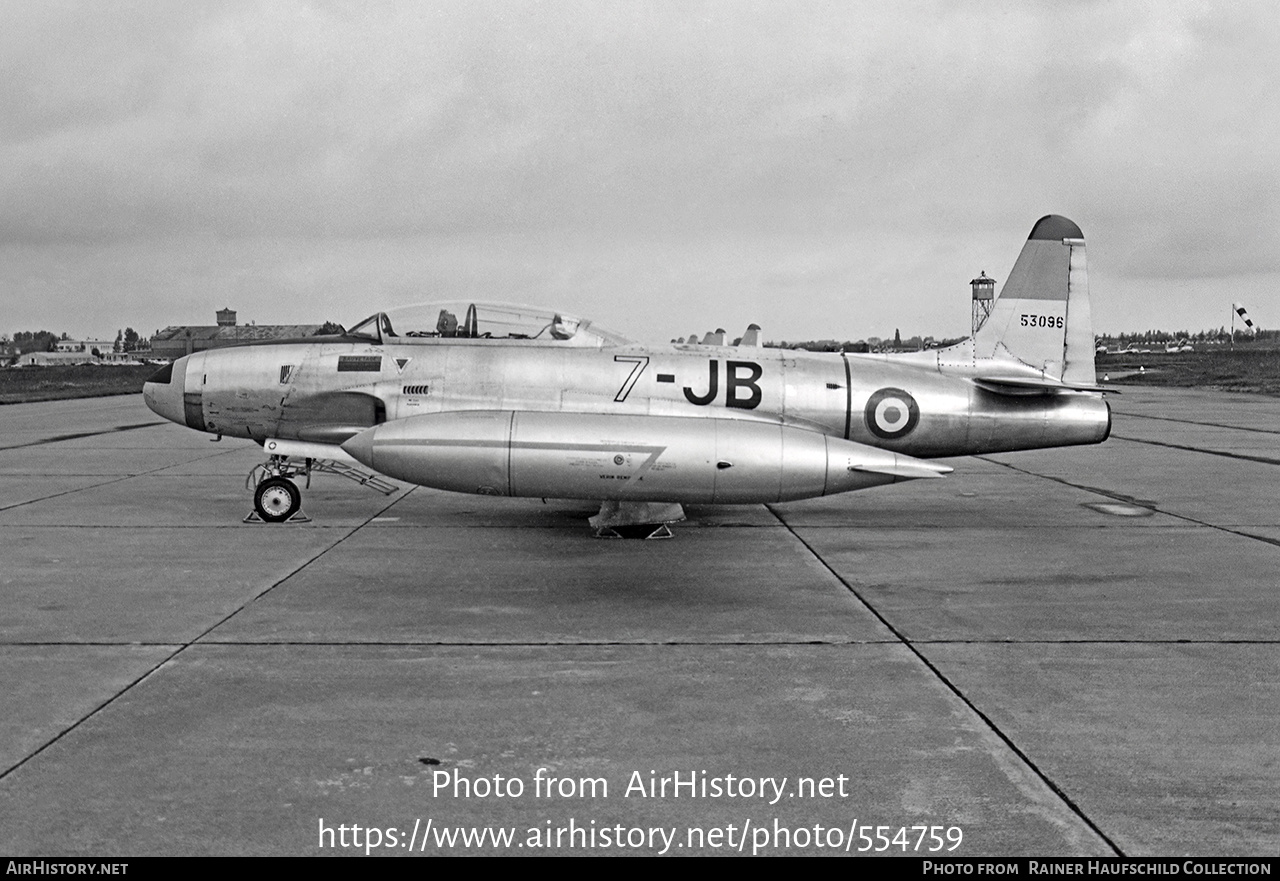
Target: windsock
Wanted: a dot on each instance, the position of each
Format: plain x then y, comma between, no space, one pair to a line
1244,316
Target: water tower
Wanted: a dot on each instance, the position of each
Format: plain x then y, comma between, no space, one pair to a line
984,295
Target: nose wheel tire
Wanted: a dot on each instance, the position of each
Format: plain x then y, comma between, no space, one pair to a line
276,499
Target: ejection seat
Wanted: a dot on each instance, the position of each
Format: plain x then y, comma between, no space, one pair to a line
447,325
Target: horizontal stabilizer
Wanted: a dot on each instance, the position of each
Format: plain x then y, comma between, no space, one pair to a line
1025,385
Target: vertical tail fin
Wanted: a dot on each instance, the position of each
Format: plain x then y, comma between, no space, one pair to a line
1041,317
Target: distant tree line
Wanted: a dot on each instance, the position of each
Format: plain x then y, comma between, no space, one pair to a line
36,340
914,343
871,344
1222,335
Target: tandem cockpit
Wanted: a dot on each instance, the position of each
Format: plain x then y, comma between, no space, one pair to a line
463,320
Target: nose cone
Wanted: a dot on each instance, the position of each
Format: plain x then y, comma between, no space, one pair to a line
163,391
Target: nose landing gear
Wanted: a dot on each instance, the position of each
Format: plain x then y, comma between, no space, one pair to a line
276,499
276,496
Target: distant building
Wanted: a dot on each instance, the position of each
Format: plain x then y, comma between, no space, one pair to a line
46,359
123,357
69,352
84,346
175,341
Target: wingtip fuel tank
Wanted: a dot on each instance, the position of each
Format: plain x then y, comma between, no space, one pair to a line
626,458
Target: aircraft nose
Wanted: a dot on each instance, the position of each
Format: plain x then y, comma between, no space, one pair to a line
163,391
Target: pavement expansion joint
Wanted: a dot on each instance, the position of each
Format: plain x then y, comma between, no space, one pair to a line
584,643
1238,530
97,643
201,527
113,480
1012,527
1265,460
1195,422
946,682
178,650
80,435
67,492
1166,641
89,715
605,643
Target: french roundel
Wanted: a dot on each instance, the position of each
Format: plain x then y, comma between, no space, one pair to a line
891,413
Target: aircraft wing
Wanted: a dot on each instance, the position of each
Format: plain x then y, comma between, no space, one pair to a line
308,450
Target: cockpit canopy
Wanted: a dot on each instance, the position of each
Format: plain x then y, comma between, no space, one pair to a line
459,319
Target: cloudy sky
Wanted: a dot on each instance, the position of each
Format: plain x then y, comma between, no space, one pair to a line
821,168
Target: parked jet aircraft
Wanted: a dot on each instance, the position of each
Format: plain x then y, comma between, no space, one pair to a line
511,402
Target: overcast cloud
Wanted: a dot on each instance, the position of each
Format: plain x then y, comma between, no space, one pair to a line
820,168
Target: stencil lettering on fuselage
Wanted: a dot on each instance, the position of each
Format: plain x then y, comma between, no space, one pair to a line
359,363
735,384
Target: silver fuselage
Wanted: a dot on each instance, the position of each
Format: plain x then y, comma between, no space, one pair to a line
327,391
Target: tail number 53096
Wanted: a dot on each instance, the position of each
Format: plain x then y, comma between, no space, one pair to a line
1044,321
